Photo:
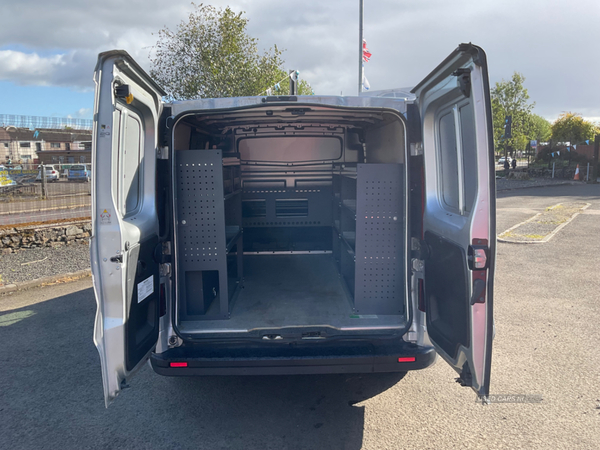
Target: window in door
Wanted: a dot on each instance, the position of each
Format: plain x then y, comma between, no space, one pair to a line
457,152
130,158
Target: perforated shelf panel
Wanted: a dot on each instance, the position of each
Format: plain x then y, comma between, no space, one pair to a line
201,226
380,266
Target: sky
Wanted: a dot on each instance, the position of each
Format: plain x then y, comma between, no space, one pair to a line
48,53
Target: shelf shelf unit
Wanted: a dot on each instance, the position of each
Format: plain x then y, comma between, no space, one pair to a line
209,233
344,224
368,223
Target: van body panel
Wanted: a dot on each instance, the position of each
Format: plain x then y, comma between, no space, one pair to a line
459,213
216,104
124,218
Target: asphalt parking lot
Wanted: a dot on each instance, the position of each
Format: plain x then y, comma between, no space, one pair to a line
547,344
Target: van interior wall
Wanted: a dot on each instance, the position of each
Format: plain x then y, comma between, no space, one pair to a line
299,200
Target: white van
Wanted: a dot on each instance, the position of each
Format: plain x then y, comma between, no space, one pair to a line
293,234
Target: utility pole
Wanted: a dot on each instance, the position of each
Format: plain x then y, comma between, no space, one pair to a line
360,46
44,185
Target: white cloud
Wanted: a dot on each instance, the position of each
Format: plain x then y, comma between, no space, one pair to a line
547,41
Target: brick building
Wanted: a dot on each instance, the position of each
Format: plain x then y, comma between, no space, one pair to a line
44,145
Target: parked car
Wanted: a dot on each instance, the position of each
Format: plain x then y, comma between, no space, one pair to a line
502,159
79,172
293,234
51,174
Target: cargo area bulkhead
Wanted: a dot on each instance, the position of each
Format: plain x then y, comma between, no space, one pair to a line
290,220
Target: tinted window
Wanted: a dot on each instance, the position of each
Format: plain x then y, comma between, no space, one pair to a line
469,152
449,160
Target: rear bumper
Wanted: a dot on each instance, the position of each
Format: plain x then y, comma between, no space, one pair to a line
292,365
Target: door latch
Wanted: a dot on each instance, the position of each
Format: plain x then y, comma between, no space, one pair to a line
464,81
478,254
117,259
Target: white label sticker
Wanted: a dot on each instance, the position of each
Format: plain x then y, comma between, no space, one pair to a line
145,288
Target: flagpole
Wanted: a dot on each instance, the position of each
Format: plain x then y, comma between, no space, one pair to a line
360,46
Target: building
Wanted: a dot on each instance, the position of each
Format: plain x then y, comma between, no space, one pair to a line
44,145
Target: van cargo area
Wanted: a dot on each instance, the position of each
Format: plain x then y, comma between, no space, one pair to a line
290,221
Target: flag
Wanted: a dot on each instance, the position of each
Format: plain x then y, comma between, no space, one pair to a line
575,147
558,153
366,56
587,141
366,53
553,154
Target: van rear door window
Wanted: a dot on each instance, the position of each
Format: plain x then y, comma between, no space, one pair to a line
290,149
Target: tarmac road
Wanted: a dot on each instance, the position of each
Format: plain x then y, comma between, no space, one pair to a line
547,343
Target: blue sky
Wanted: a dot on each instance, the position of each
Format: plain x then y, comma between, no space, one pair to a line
45,101
48,53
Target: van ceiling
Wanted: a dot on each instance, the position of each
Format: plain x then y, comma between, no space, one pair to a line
270,115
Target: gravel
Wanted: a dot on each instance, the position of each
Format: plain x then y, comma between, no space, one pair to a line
44,262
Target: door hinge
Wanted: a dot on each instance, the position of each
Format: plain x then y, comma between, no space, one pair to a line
464,81
416,148
465,379
164,269
418,265
162,152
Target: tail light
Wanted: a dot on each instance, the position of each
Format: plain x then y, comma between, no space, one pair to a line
407,359
178,364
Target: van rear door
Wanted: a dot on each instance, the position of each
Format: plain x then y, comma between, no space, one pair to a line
124,217
459,223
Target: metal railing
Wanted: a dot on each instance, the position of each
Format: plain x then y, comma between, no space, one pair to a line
33,122
29,194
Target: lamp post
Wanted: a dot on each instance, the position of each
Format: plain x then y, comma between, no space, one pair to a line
360,45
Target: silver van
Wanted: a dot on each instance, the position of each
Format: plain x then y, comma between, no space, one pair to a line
293,234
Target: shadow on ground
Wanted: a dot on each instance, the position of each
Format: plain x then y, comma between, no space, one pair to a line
51,396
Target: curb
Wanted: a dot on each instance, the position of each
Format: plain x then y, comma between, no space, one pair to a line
566,183
56,208
53,279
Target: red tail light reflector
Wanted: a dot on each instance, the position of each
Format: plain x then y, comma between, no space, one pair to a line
407,359
178,364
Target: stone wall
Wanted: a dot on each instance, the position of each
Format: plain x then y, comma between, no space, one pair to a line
14,239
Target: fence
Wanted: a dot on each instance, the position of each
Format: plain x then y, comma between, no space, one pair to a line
561,169
44,122
29,194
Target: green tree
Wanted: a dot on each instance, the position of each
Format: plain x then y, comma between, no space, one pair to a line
571,127
510,98
539,129
211,55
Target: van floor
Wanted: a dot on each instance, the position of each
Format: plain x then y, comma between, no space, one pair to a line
290,290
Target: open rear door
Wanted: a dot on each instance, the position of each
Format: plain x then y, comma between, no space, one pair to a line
459,222
124,217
